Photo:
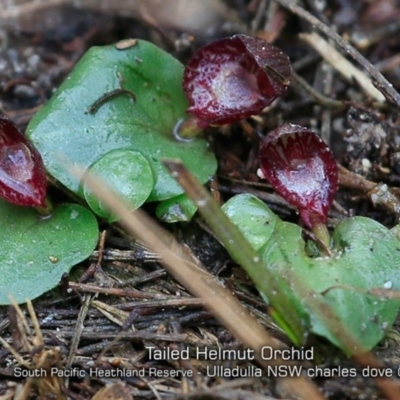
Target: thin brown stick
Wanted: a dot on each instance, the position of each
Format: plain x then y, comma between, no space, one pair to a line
388,386
380,82
135,294
341,64
218,299
78,329
319,97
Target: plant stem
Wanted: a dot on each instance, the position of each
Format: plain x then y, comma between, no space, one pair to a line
46,210
322,234
188,128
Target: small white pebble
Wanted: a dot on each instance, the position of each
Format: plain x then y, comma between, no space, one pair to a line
388,285
366,165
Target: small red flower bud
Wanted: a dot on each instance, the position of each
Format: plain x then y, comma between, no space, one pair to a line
234,78
302,169
22,173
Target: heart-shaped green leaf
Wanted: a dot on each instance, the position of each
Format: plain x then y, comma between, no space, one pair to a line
142,117
365,256
36,252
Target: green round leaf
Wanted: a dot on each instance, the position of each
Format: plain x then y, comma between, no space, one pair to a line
177,209
142,117
128,174
36,252
365,257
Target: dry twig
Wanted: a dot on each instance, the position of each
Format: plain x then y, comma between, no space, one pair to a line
382,84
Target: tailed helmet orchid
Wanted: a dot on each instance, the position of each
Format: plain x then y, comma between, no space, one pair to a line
234,78
302,169
22,173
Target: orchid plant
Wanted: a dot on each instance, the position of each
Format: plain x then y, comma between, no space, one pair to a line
231,79
235,78
119,115
302,169
22,173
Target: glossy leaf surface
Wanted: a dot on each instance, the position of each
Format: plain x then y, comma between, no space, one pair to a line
365,256
142,118
36,252
126,172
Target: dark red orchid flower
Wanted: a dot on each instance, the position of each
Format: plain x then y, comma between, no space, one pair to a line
234,78
22,173
302,169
